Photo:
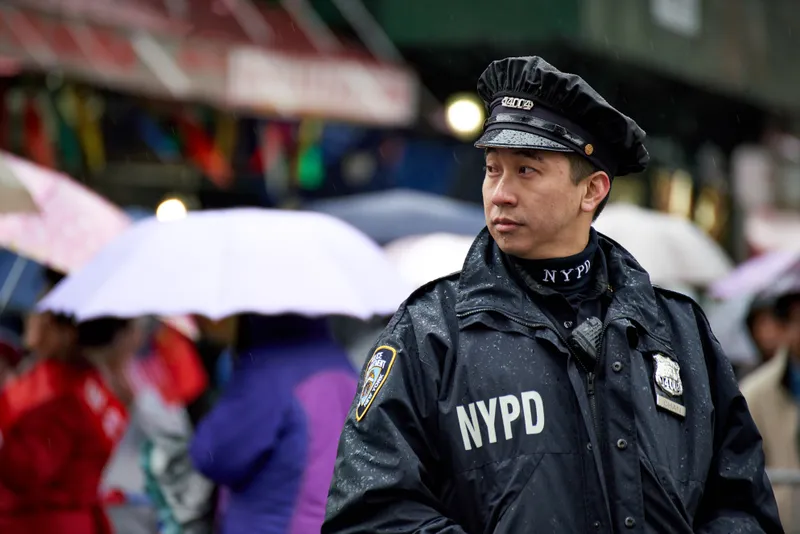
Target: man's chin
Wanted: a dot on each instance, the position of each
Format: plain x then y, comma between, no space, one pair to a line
510,244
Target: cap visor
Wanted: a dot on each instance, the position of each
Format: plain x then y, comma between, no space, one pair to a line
508,138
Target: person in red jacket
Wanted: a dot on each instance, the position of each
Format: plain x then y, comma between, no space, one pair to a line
10,354
59,423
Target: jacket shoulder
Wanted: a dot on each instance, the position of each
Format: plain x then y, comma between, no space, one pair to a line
437,296
429,311
434,288
676,296
676,302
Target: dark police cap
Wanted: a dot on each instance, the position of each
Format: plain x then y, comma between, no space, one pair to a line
532,104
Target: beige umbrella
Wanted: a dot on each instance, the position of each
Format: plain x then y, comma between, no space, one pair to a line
14,196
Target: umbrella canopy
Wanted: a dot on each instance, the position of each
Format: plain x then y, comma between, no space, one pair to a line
72,222
226,262
21,282
757,274
14,196
671,249
421,259
728,321
389,215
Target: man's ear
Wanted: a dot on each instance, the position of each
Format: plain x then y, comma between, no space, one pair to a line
597,186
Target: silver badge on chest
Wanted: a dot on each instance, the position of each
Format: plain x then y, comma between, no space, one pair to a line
668,375
669,386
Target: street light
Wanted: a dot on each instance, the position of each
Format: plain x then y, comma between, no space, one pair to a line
464,114
171,209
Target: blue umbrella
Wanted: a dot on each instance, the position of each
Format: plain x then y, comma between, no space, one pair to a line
389,215
21,281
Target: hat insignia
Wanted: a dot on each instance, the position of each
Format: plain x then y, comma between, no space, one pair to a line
517,103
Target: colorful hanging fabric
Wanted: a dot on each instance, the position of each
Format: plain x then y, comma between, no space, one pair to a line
310,168
47,111
65,106
15,107
162,144
200,149
225,136
89,113
274,160
38,147
310,163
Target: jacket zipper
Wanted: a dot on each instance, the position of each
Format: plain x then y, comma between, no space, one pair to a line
590,374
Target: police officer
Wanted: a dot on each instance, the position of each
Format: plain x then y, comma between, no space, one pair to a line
548,387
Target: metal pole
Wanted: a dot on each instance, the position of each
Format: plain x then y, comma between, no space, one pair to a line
377,41
312,25
249,18
160,63
368,30
789,477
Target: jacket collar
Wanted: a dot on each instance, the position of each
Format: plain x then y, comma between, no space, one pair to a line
489,281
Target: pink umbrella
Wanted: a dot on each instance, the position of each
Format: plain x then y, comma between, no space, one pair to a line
72,224
756,274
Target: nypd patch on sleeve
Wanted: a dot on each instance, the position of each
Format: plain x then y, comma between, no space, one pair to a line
377,370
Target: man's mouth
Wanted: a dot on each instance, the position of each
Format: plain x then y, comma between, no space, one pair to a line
503,224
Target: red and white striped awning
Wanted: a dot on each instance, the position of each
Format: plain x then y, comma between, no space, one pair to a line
226,52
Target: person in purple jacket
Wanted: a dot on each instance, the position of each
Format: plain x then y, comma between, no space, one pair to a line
271,439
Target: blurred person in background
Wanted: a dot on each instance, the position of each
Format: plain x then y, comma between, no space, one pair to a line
36,322
358,336
59,423
271,439
773,394
182,497
765,327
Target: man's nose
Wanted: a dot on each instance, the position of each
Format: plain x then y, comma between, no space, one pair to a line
503,194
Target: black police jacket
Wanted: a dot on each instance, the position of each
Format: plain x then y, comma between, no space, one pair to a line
474,416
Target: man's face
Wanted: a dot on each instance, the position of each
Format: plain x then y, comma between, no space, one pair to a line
768,332
533,208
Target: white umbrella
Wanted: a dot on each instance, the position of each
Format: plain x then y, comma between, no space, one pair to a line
423,258
221,263
670,248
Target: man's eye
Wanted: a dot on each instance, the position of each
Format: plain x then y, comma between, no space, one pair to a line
526,170
490,169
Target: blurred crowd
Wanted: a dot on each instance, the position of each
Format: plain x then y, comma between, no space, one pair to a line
162,425
74,399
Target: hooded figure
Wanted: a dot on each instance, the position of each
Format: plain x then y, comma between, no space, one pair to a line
271,439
